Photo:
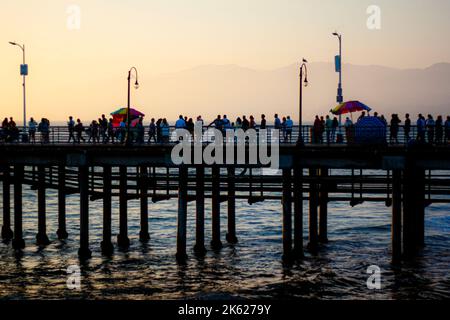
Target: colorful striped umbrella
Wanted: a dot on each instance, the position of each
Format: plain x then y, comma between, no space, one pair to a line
349,107
133,113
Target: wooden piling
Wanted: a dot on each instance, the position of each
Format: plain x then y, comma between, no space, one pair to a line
7,233
199,247
144,235
18,242
122,238
231,235
83,180
313,203
420,206
298,212
215,221
409,213
323,208
287,214
41,237
396,228
62,230
106,244
182,214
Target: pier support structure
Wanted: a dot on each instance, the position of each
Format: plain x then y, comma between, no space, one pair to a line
106,244
199,247
18,242
298,212
122,238
313,221
7,233
83,175
62,230
323,207
182,214
231,235
216,244
41,237
144,235
287,214
396,228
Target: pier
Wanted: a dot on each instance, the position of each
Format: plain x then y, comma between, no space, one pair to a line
405,179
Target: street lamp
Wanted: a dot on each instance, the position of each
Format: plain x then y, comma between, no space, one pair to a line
136,86
23,73
302,83
338,64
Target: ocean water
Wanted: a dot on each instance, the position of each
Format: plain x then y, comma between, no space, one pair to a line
359,237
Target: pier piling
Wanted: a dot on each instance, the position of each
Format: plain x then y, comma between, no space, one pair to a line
122,238
287,214
182,215
396,229
313,204
18,242
62,230
323,208
298,212
231,235
106,244
7,233
144,235
83,180
199,247
41,237
216,244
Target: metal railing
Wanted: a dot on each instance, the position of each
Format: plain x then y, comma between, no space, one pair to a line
352,135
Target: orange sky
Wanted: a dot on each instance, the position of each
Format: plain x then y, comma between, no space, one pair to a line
83,72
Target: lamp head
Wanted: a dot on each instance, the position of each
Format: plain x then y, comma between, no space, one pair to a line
13,43
136,85
305,61
306,82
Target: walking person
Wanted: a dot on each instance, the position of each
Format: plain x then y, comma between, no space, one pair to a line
395,125
165,131
32,126
152,131
289,127
430,125
439,130
407,128
283,129
334,127
79,128
328,128
447,130
110,130
316,131
71,128
420,128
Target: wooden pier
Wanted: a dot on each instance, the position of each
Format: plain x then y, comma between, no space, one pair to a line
405,179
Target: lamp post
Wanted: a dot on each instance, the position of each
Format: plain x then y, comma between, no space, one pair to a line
338,62
128,140
300,141
23,73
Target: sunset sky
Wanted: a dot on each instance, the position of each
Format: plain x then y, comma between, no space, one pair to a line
83,72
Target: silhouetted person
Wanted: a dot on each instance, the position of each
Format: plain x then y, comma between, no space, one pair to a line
407,128
71,128
447,130
152,131
79,128
420,128
430,125
439,129
395,125
32,127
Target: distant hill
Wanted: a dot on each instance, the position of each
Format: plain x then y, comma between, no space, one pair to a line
234,90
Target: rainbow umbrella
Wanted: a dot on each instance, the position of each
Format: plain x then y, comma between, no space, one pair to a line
350,107
121,115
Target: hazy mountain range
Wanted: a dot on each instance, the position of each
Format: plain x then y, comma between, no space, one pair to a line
234,90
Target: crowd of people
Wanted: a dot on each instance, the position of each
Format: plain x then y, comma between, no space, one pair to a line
324,129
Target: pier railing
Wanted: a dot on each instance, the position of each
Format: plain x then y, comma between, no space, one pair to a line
60,135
